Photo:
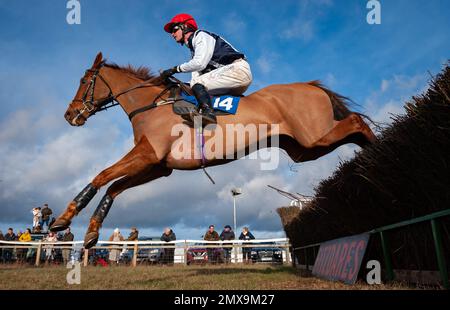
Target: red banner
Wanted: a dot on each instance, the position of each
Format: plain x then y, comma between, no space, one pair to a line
340,259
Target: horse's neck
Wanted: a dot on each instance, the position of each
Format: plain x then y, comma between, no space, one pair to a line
120,81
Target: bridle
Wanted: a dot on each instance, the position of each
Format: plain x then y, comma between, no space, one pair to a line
93,106
87,100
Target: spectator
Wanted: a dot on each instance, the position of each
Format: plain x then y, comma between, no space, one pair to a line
37,229
36,216
227,234
49,250
26,236
51,223
246,235
23,253
45,213
114,253
7,253
167,256
134,234
211,235
68,236
2,238
60,235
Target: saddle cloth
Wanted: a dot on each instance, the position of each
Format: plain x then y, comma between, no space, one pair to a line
225,103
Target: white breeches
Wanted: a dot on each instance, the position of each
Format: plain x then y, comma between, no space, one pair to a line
232,79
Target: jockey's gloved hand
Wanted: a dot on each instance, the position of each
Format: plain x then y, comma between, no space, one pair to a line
169,72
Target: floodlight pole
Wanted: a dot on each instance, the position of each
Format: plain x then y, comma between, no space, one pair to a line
234,212
235,192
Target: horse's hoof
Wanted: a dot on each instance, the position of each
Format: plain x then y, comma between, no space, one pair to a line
60,224
90,240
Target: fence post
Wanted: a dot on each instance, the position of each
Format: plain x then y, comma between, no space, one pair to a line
387,256
435,227
185,253
288,254
294,264
85,257
135,251
306,259
38,254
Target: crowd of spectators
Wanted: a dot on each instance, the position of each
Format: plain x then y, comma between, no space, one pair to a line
227,234
63,253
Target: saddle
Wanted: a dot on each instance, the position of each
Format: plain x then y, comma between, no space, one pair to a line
184,103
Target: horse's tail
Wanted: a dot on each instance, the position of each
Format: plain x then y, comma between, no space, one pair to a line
340,103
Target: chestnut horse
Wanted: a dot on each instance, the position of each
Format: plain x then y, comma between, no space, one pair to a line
312,121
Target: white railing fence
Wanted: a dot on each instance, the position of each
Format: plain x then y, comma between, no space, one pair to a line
140,252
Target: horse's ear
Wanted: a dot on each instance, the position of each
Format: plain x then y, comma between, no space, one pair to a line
98,60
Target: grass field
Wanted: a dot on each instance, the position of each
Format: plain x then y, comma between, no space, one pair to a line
240,277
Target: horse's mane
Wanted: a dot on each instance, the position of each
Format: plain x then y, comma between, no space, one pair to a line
141,72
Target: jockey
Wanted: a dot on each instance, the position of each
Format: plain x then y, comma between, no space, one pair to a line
216,66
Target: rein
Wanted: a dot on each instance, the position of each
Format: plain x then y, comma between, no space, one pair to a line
93,106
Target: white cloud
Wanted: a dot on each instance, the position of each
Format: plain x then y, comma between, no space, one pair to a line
403,82
389,109
392,94
330,80
264,65
384,85
299,29
266,62
234,25
303,24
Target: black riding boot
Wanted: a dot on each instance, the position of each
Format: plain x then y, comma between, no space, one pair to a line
204,105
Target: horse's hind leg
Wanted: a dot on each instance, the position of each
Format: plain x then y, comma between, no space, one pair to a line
352,129
141,156
352,124
147,175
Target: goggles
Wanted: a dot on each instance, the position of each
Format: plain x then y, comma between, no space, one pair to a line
176,28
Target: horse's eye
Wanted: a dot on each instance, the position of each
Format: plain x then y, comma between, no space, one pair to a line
83,81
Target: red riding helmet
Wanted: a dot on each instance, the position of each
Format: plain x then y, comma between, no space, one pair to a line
182,18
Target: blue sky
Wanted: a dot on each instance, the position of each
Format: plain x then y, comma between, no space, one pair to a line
42,58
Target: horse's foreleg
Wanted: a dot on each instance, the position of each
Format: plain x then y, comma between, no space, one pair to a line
141,156
115,189
74,207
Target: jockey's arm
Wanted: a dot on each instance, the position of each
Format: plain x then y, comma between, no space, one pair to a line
203,45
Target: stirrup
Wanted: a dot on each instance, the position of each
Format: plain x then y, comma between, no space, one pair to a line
208,117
